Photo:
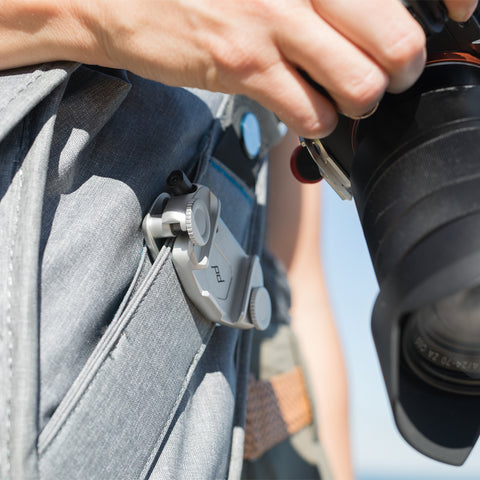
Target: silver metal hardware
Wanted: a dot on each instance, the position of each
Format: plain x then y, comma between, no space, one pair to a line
329,169
223,282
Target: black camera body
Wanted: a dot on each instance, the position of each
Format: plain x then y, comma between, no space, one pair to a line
413,169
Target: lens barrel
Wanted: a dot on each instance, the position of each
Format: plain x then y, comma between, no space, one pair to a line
416,184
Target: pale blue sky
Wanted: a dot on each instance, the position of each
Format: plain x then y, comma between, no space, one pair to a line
378,447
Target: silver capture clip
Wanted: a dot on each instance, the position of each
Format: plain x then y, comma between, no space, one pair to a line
223,282
329,170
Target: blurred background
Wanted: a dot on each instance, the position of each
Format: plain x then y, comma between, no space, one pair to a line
379,452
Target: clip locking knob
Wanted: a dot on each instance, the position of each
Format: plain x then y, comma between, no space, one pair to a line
197,220
260,308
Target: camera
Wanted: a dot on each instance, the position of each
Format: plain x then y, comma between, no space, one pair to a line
413,169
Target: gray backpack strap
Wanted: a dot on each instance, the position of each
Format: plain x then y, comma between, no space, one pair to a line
243,208
23,167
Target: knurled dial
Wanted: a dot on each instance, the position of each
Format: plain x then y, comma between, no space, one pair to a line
197,220
260,308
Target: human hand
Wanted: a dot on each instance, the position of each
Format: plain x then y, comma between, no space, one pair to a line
355,50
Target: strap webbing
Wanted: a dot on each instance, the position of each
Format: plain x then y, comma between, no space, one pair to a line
276,409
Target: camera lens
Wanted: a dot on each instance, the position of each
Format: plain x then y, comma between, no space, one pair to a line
441,343
415,177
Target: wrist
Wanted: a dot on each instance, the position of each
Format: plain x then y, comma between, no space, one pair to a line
37,31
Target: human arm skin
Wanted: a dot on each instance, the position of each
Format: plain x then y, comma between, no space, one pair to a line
356,50
293,237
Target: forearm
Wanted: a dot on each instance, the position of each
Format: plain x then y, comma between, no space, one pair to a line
296,207
355,50
315,329
36,31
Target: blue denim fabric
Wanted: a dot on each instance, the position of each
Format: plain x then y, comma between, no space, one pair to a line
106,369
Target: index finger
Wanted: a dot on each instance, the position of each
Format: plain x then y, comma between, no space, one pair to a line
384,30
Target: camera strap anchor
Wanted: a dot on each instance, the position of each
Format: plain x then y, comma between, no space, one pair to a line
223,282
328,167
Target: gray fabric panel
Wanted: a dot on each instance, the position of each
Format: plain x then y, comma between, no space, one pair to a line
20,216
112,432
103,178
23,88
198,445
89,226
